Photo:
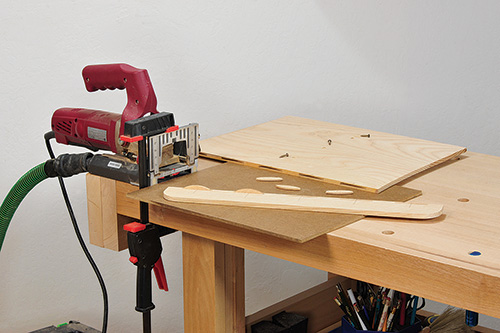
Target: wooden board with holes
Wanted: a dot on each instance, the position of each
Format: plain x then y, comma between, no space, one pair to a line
369,160
290,225
307,203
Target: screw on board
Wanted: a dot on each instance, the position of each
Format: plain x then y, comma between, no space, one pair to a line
365,135
284,155
329,142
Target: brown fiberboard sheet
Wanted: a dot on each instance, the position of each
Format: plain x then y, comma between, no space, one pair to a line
370,160
294,226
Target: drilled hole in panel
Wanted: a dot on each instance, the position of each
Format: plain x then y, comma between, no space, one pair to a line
463,200
388,232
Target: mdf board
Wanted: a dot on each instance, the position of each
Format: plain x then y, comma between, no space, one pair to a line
369,160
290,225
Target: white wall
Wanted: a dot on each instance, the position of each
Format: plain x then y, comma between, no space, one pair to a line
425,69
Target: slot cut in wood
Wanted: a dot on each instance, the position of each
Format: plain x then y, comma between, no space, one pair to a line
339,192
269,179
288,187
305,203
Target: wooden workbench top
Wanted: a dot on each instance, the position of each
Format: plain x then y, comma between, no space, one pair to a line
454,259
467,235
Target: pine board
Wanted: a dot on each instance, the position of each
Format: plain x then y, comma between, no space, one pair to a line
307,203
371,163
289,225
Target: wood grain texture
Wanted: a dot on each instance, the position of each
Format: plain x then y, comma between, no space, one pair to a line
199,278
94,209
290,225
234,288
213,278
303,203
372,163
105,225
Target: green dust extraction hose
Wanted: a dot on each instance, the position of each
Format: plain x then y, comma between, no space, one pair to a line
17,193
65,165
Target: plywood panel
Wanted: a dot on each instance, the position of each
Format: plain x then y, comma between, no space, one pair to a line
290,225
333,153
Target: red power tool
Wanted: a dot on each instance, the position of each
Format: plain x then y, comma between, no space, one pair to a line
96,129
162,149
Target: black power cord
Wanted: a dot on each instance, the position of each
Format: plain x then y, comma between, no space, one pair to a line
48,136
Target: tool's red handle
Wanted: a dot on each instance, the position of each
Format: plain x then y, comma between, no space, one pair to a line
140,94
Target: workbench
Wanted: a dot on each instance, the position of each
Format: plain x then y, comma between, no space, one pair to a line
453,259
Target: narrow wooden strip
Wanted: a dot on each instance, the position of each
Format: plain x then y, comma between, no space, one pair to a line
305,203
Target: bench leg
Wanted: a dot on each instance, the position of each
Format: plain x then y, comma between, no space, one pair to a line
214,286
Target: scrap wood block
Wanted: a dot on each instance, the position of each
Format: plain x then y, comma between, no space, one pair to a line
105,225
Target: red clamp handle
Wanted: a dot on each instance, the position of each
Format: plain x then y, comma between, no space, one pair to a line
161,278
141,98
